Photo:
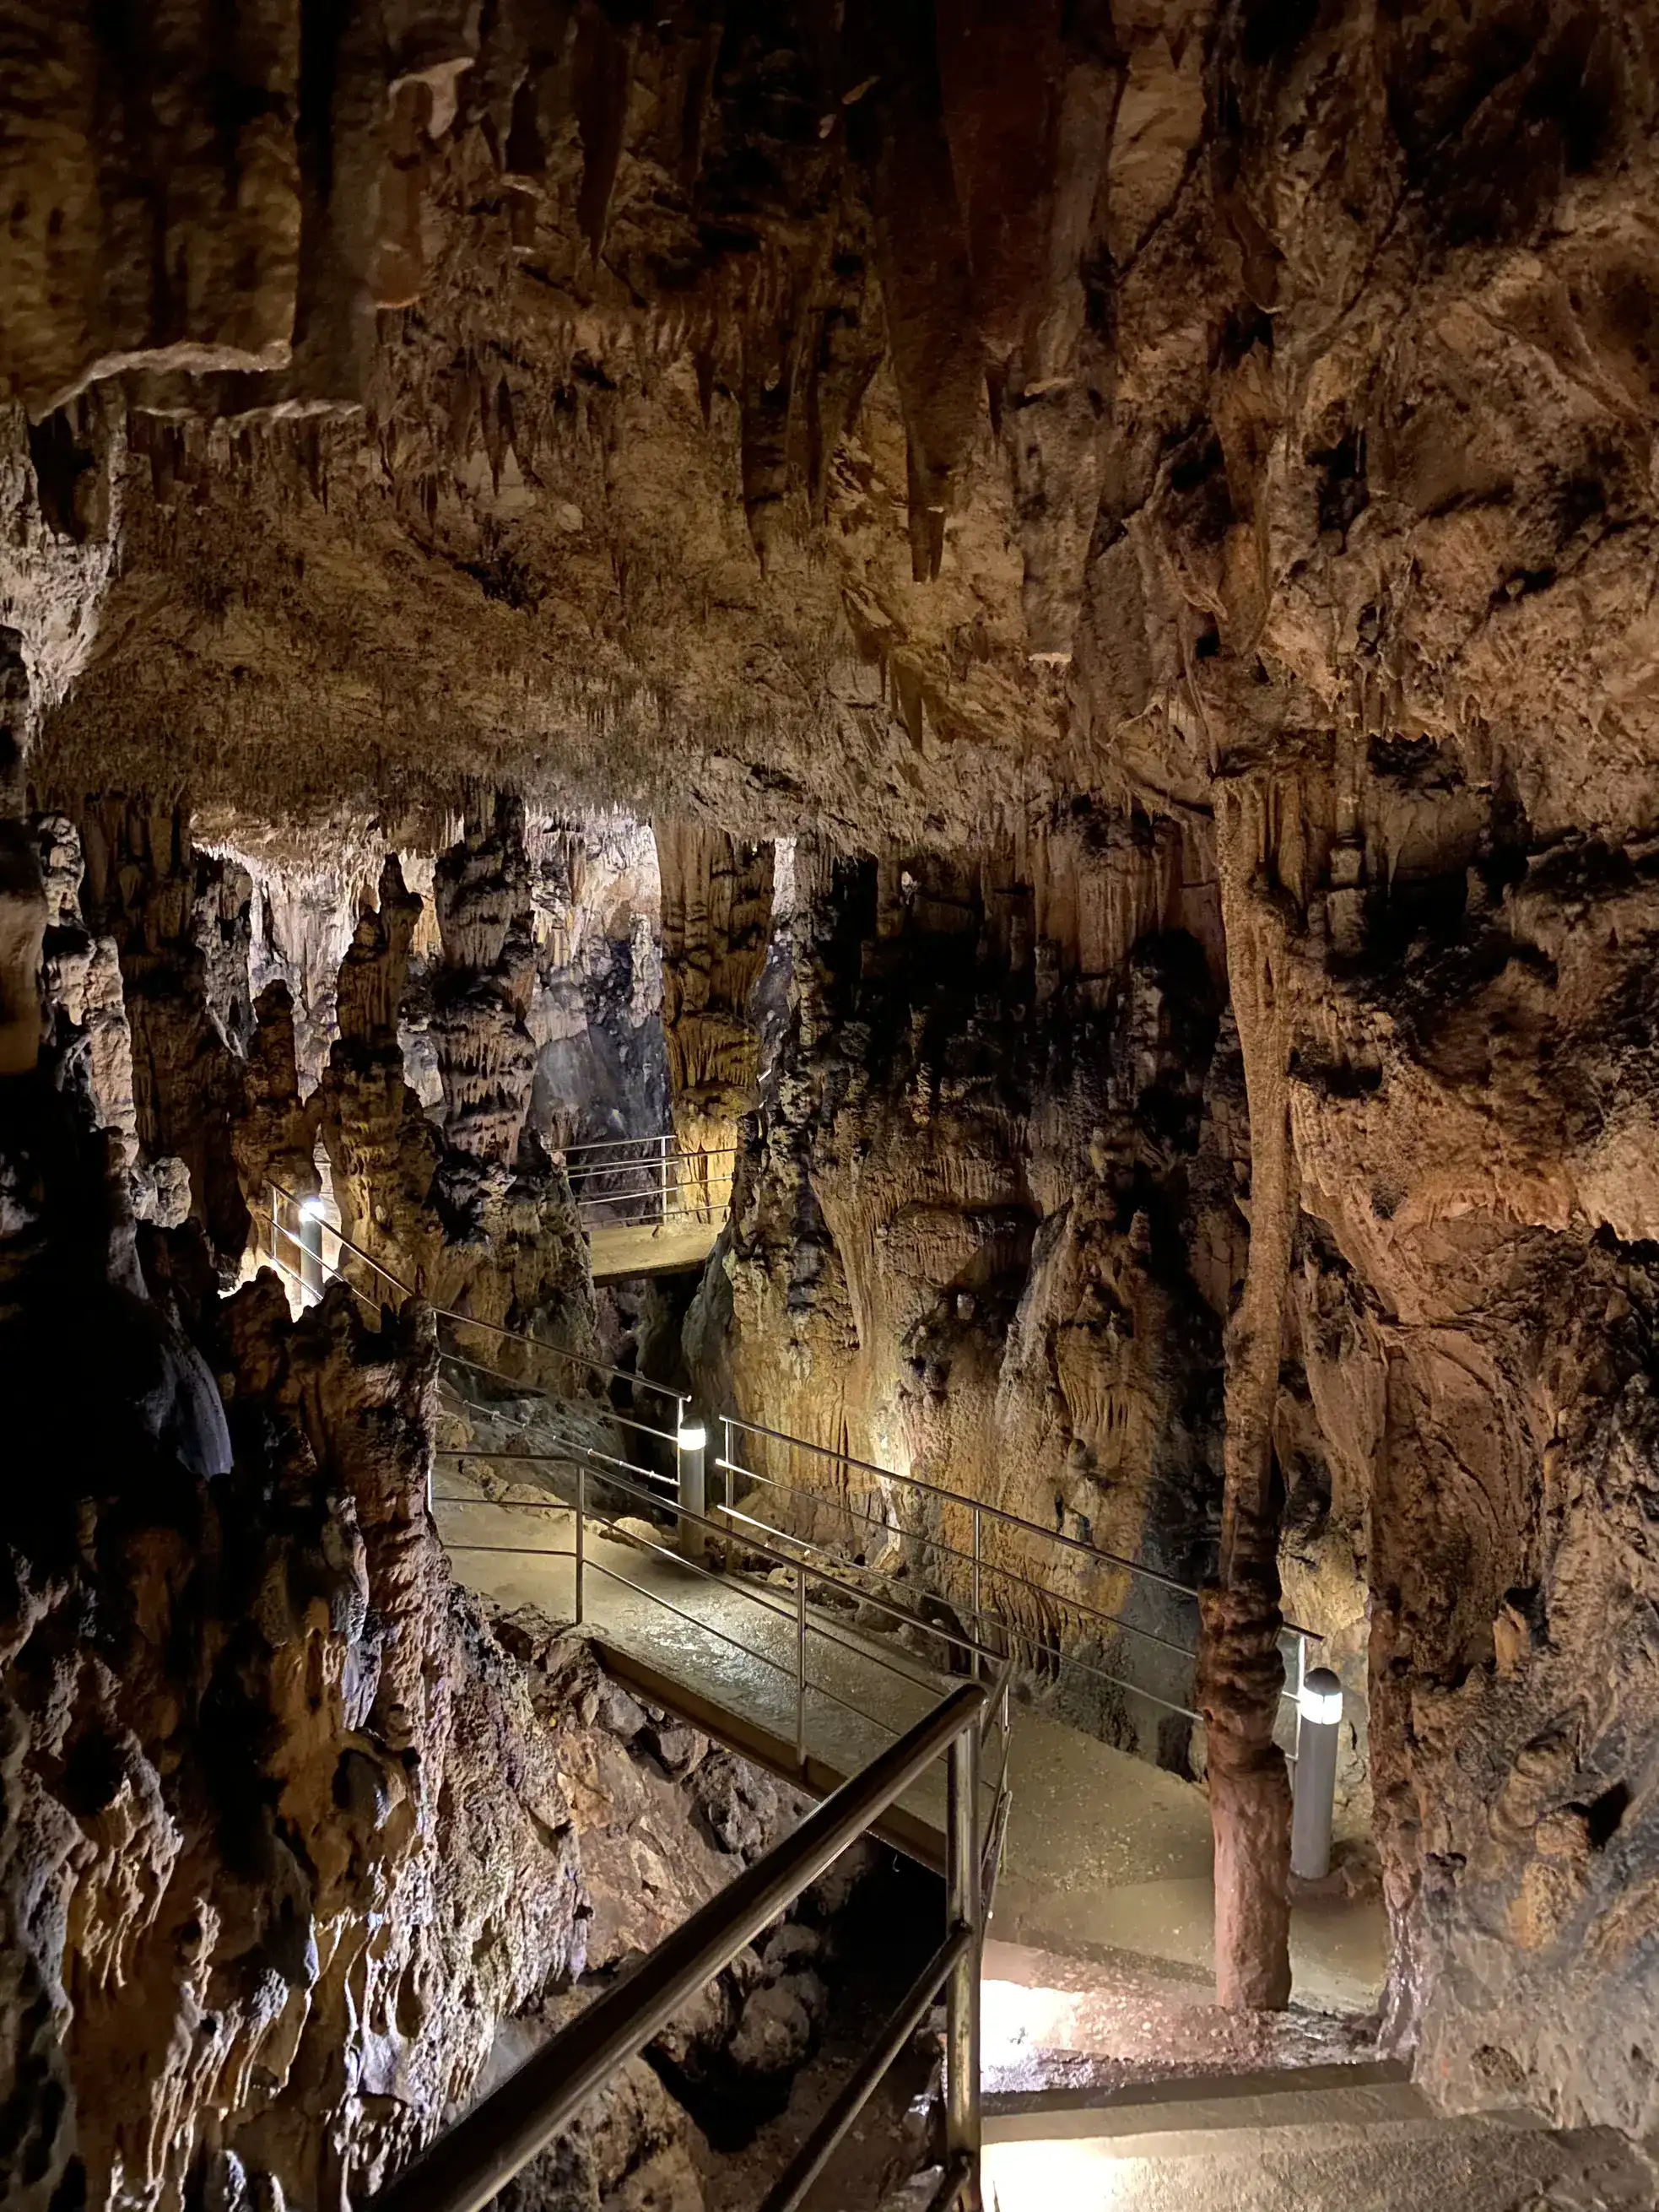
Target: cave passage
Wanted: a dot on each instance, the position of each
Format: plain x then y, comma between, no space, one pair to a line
829,866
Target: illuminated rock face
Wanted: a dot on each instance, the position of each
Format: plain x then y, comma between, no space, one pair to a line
1160,509
291,1841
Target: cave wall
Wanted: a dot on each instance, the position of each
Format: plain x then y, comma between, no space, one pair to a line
601,1069
299,1851
716,923
754,416
256,1789
984,1232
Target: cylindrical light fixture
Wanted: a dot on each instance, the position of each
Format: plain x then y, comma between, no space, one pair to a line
692,1446
1319,1703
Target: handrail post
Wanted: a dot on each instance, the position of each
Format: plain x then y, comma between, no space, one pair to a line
581,1513
726,1428
962,2128
664,1142
978,1637
800,1666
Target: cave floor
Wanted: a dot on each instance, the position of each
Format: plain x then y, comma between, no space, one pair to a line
1108,1859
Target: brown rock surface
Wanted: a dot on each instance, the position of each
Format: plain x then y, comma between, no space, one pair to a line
740,421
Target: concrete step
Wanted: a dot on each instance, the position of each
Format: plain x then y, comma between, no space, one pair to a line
1311,2147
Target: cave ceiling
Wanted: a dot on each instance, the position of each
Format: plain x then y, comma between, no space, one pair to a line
904,419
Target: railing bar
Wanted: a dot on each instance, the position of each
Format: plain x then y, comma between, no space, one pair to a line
466,2166
558,1351
882,1605
691,1620
525,1389
622,1143
1035,1642
1029,1636
467,1321
553,1459
810,2161
939,1544
309,1300
955,1498
947,2197
594,1171
831,1633
967,1504
570,1457
606,1414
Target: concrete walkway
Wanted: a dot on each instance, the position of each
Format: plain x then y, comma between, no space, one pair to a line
653,1248
1326,2158
1107,1860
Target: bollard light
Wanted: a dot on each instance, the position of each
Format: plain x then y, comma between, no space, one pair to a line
1319,1703
693,1441
311,1209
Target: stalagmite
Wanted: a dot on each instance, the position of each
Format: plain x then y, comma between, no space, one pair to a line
1240,1671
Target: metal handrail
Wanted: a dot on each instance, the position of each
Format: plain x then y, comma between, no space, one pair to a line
856,2091
465,2167
586,1170
956,1498
951,1551
568,1152
829,1631
461,1320
981,1567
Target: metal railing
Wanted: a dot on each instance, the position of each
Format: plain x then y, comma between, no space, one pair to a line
796,1615
555,1442
465,2167
968,1582
307,1278
630,1182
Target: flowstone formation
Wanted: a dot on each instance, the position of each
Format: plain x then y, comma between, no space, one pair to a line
716,928
992,1137
468,1209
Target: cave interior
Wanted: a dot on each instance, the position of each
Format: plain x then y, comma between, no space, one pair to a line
828,865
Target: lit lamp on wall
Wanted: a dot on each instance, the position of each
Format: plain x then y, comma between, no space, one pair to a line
1319,1703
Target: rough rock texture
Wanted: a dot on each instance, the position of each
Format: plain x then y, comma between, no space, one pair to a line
294,1852
716,928
179,922
258,1783
961,1244
601,1071
472,1215
739,420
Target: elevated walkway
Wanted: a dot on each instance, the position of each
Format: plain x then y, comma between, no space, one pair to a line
649,1206
784,1646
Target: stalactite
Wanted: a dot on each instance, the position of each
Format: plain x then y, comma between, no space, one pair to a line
163,901
898,130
